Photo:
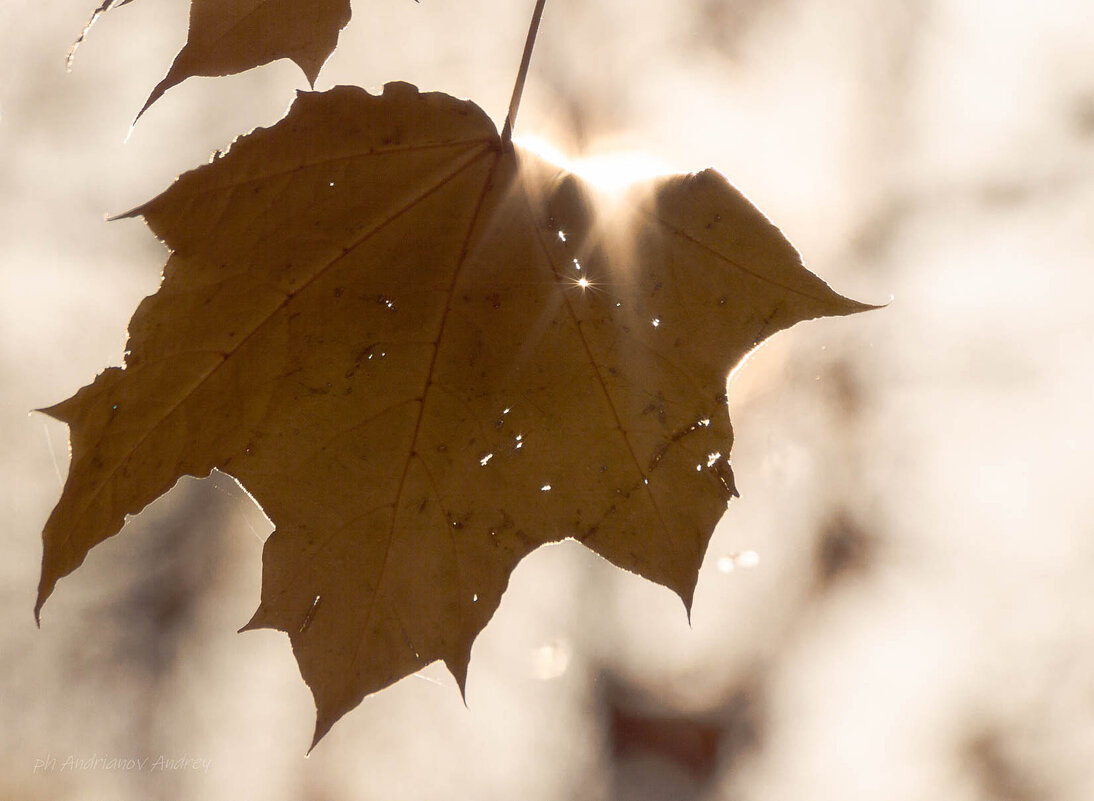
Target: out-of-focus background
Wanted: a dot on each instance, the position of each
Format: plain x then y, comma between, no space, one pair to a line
899,606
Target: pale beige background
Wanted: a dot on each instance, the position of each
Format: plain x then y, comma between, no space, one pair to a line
938,451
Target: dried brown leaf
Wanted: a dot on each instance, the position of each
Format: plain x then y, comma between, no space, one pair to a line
230,36
374,318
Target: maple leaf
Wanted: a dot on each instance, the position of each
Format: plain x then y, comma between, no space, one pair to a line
425,353
230,36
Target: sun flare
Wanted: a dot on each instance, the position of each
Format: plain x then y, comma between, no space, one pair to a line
610,171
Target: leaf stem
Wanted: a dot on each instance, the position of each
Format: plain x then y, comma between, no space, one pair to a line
522,73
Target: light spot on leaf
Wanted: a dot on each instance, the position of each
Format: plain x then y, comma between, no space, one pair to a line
310,614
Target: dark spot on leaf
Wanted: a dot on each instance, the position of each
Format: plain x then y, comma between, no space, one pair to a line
310,615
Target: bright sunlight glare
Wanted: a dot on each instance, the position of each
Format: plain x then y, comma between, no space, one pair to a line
610,171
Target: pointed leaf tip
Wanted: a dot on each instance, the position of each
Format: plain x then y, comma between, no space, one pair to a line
321,729
458,668
254,624
227,37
